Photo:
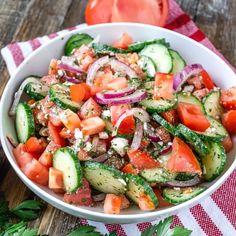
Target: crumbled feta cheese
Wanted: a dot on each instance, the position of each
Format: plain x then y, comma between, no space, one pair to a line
103,135
106,114
176,188
78,134
88,146
60,72
160,143
120,145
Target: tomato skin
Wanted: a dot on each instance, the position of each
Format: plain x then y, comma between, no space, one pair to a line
127,126
228,98
90,109
129,168
70,119
163,88
182,158
22,157
54,132
98,11
82,196
124,202
192,116
92,125
207,80
123,42
229,121
227,143
77,92
46,157
145,204
142,160
112,204
35,145
53,67
56,180
37,172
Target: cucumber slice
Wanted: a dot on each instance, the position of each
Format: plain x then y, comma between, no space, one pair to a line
212,104
184,176
157,175
149,87
104,178
60,94
148,66
193,139
76,41
160,56
137,186
35,89
189,98
180,195
160,105
216,132
169,127
65,160
138,46
25,127
178,62
214,162
100,48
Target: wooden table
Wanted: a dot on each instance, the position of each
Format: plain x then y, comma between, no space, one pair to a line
25,19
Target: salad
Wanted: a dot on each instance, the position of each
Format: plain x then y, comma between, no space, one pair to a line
122,124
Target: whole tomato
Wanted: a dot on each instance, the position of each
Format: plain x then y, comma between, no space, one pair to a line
152,12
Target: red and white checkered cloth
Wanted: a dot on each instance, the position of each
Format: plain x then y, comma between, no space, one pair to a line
216,215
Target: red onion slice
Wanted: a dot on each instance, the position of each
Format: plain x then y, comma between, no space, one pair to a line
188,71
166,149
188,183
101,158
99,197
149,130
93,69
72,80
137,96
70,68
119,93
123,68
19,92
138,135
139,113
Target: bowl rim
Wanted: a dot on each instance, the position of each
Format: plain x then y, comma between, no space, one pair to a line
134,217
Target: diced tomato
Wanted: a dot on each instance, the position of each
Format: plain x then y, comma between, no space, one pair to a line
83,155
207,80
192,116
143,11
81,197
145,203
163,88
54,133
31,102
229,121
196,81
90,109
124,202
123,42
228,98
35,145
171,116
49,79
87,91
54,117
112,204
97,89
129,168
93,125
46,157
22,157
37,172
142,160
227,143
66,133
53,67
118,83
77,92
182,158
56,180
98,12
127,126
70,119
161,200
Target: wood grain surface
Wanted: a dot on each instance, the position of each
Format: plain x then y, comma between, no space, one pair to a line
25,19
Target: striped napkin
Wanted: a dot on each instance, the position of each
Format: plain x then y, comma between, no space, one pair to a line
216,215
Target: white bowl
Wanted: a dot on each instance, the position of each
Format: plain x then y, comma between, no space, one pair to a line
37,64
